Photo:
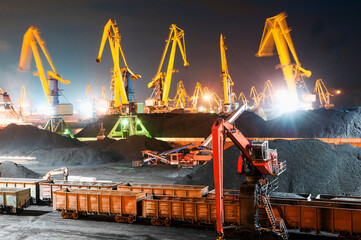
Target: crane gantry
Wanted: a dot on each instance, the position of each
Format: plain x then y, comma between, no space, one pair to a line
162,80
121,76
276,33
227,81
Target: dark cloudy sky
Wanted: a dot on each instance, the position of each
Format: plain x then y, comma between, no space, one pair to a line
326,35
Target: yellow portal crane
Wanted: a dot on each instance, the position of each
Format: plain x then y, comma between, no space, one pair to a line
268,91
276,33
227,81
255,96
32,37
23,99
162,81
243,98
24,104
323,94
56,123
196,94
89,93
181,98
120,75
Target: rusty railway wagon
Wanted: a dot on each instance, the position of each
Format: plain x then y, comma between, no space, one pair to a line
122,205
47,188
31,183
13,199
328,213
163,210
166,189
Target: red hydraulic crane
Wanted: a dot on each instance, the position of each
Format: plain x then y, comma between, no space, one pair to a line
256,162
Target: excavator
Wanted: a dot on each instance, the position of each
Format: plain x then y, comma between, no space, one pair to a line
276,33
161,81
121,76
228,103
63,170
257,162
56,122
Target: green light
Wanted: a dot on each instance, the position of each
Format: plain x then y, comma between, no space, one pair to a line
125,122
138,121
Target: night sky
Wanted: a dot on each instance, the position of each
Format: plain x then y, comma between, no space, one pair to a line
326,36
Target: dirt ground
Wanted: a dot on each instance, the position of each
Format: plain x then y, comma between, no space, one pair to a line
40,222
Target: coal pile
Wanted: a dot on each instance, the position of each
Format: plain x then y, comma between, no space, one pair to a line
161,125
13,170
50,149
75,156
101,143
131,147
318,123
313,167
24,138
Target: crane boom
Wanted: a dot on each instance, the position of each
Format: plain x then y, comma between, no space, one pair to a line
162,80
276,33
227,81
111,32
31,37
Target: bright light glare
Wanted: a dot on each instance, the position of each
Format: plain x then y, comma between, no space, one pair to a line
86,109
338,91
286,102
206,97
201,109
125,122
45,110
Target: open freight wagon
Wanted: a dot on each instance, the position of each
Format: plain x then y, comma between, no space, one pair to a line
123,205
13,199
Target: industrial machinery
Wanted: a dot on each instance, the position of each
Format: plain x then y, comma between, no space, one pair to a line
256,162
8,114
243,98
56,122
126,125
255,96
276,33
121,76
323,94
24,104
175,157
161,81
181,99
228,104
63,170
267,93
198,93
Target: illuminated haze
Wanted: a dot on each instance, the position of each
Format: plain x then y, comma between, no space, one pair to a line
325,35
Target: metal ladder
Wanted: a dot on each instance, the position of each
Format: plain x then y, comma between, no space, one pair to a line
278,225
